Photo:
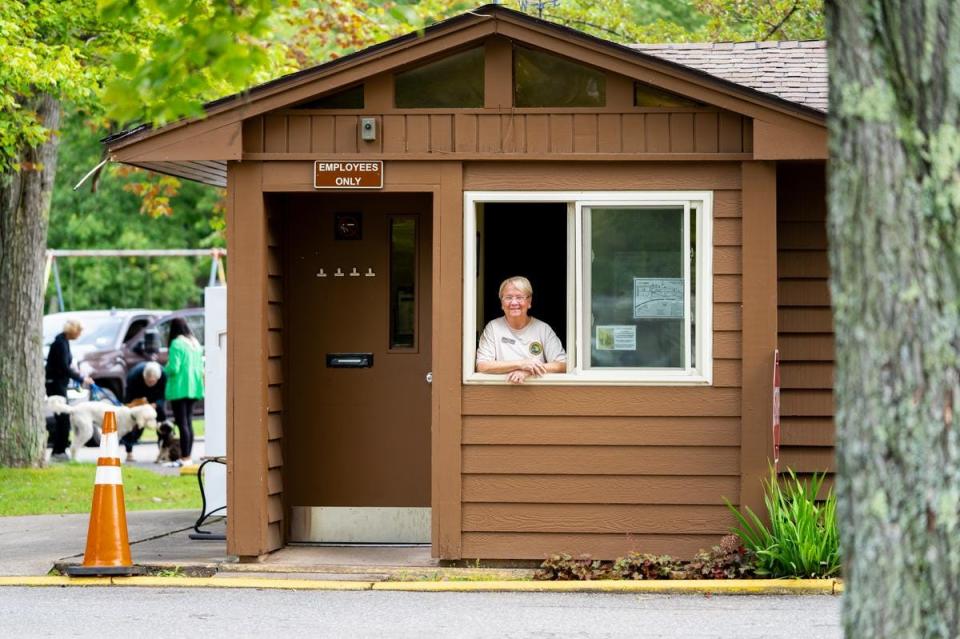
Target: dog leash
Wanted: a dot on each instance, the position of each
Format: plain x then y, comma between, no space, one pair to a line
97,393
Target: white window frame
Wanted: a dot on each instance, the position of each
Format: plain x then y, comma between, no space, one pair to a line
576,201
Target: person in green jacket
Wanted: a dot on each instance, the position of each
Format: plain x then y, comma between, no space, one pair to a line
184,371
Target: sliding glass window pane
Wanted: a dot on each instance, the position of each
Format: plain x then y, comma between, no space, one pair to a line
403,279
635,286
545,80
454,81
692,300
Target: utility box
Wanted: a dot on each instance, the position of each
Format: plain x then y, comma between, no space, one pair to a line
215,401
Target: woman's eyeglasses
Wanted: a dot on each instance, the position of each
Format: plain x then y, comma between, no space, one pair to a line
514,298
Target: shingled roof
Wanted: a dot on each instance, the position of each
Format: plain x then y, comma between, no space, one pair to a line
792,70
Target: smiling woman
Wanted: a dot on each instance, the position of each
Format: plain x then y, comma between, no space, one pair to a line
517,344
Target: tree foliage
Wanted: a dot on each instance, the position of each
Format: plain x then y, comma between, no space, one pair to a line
130,209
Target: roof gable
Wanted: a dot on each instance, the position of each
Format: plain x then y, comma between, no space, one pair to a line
674,68
781,128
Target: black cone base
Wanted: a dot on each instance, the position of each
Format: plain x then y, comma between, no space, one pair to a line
103,571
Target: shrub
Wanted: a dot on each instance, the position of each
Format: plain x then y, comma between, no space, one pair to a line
642,566
563,567
729,560
802,539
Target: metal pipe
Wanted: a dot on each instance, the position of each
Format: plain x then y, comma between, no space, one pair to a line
135,252
56,283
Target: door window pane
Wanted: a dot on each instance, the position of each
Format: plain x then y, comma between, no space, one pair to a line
636,293
454,81
544,80
403,278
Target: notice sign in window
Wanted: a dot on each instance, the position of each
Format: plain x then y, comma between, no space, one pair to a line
657,297
617,338
357,174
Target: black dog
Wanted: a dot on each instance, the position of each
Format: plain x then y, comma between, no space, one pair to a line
168,444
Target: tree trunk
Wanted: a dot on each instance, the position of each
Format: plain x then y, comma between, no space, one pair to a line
24,210
895,259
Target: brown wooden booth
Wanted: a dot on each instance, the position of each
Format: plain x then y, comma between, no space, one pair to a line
493,470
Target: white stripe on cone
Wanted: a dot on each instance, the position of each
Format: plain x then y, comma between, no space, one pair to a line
110,445
108,475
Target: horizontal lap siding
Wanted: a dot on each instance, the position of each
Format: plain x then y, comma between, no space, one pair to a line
805,321
607,470
312,132
275,375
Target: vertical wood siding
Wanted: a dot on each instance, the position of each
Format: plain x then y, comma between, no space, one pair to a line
606,470
473,133
805,323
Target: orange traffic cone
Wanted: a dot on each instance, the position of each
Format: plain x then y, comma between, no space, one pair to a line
108,549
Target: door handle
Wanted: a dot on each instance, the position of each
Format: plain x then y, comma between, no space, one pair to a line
429,377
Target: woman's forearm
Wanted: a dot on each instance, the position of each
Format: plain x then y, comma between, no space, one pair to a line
499,366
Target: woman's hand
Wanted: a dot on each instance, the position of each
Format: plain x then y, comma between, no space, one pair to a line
533,367
517,377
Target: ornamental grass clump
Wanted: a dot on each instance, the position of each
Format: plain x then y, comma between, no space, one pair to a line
802,539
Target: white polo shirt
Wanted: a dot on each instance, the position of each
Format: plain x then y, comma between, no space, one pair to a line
500,343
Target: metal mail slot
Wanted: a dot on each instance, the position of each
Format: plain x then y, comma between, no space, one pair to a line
349,360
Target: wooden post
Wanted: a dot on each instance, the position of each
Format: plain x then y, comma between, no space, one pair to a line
246,362
447,385
498,74
759,338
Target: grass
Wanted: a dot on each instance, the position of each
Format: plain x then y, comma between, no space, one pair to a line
68,488
198,431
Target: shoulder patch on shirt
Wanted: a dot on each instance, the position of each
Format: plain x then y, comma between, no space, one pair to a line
536,348
507,340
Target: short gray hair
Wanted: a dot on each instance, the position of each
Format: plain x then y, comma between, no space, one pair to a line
519,282
152,370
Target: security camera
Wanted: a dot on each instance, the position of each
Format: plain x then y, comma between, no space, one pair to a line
368,129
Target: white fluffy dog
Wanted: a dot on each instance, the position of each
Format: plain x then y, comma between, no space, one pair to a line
86,416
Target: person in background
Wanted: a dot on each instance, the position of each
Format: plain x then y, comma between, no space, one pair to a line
59,373
184,371
146,384
517,344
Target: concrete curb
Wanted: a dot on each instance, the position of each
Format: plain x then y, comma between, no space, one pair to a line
701,587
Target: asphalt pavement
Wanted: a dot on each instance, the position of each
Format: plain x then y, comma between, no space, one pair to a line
172,612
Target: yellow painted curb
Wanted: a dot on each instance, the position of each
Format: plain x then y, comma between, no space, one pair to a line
717,587
54,580
733,586
254,582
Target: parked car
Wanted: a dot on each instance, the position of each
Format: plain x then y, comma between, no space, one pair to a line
109,367
102,330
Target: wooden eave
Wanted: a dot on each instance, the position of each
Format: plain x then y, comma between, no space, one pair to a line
199,149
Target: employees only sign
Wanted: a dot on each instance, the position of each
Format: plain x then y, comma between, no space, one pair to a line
358,174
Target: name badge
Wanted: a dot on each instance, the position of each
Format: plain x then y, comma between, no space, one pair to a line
507,340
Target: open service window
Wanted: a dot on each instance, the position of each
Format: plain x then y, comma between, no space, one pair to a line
623,278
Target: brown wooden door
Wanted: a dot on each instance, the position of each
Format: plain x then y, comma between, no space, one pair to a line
357,437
